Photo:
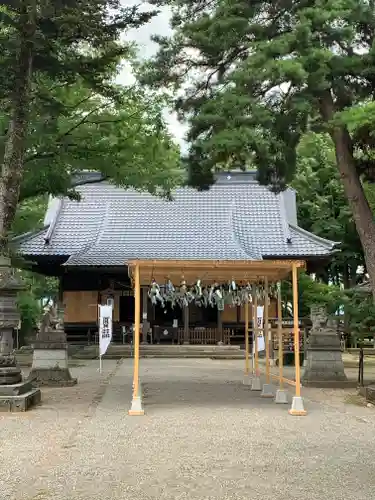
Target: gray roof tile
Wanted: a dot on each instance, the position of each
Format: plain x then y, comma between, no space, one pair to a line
233,220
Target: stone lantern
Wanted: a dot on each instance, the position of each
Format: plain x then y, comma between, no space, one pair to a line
15,395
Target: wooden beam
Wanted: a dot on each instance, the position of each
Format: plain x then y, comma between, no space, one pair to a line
210,271
214,264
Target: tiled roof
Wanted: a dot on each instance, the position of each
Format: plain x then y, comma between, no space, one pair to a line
236,219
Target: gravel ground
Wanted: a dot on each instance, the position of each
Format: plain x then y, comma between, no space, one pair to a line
205,436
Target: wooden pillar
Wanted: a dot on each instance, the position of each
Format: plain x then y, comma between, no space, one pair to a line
145,322
281,394
136,408
266,331
186,325
255,383
220,327
296,331
280,337
247,363
60,302
255,330
297,405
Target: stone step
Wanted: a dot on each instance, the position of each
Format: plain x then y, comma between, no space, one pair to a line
24,357
179,355
173,348
162,355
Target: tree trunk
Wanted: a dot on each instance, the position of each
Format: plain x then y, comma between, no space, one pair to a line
362,214
15,144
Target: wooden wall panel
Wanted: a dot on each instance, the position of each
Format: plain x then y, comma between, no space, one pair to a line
80,306
272,312
229,315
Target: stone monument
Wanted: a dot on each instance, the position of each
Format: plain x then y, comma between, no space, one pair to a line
324,365
50,355
15,394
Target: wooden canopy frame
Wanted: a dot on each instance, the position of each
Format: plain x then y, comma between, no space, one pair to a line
209,271
142,272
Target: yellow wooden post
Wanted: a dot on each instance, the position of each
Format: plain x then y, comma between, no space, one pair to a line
256,331
136,408
266,331
246,378
280,337
281,394
247,361
297,405
255,383
267,390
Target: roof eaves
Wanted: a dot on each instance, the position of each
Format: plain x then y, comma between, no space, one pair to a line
330,245
89,177
29,235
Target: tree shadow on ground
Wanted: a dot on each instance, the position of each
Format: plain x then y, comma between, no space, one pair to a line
202,393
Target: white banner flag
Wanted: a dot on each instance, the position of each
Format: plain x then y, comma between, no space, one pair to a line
105,328
260,316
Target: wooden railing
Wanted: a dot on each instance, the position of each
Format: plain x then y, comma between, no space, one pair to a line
199,336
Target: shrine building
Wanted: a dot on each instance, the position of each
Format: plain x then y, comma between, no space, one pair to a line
88,243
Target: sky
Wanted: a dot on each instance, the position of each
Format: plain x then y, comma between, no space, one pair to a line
159,25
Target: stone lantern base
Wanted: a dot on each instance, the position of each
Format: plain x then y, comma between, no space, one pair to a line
15,395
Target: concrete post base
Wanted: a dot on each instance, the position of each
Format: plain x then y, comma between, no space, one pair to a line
246,379
297,408
281,397
136,408
267,391
255,384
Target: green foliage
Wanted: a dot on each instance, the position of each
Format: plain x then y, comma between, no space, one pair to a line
323,208
30,214
126,140
255,87
41,287
61,112
71,40
361,313
255,76
30,312
313,293
38,290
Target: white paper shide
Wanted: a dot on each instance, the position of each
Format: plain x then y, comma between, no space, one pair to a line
105,328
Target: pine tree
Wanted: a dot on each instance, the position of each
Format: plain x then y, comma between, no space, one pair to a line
66,41
255,75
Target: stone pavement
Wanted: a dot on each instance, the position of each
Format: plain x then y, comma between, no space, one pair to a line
205,436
